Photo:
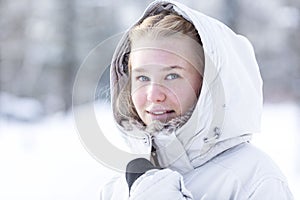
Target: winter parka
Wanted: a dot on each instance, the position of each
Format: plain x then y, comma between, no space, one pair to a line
210,157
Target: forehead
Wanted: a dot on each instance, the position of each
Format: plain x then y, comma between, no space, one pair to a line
156,56
167,50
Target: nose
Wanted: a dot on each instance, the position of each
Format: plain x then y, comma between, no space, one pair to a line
156,93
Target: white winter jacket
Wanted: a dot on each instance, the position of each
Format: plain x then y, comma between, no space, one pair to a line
210,156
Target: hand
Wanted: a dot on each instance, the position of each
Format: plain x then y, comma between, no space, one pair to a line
158,184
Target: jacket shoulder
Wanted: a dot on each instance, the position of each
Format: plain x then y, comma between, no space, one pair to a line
249,162
241,172
258,175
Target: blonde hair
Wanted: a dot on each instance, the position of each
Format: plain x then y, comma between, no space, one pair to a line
164,24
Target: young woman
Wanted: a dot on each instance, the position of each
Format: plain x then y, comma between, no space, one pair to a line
193,87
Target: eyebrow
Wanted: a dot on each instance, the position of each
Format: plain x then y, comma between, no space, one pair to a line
142,69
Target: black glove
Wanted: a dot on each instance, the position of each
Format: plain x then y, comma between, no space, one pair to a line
136,168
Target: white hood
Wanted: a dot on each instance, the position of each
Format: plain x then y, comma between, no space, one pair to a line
229,108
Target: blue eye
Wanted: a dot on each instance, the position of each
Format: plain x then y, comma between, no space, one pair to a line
142,78
172,76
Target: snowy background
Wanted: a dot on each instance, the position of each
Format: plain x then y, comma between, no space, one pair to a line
46,160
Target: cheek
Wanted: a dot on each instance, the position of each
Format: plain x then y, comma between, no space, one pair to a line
197,83
138,99
185,96
185,89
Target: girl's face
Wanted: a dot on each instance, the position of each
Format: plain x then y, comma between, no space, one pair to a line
165,82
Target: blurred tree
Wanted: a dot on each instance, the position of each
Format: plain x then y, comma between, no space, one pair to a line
294,40
231,13
69,63
13,17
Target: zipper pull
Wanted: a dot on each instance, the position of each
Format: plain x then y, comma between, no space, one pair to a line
154,158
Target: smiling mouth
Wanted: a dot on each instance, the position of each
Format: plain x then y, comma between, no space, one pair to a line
157,113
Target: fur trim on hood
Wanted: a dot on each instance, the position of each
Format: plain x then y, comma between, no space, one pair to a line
229,107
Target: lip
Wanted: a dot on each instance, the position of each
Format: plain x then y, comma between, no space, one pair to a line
160,114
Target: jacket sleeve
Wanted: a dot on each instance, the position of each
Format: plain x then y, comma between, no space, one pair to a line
272,189
159,185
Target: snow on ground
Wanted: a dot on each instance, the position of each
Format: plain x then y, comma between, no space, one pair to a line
46,160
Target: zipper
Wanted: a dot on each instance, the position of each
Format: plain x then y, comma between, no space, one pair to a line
154,158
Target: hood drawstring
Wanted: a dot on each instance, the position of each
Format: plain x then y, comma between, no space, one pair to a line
216,136
209,142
